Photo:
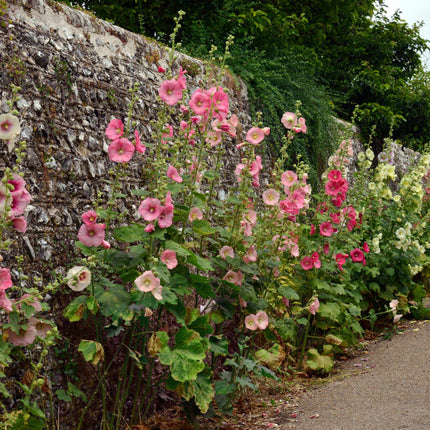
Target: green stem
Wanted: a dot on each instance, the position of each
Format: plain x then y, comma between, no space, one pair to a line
305,339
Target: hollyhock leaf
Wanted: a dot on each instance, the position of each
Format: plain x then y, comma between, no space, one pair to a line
14,321
202,326
334,340
224,387
272,358
114,301
289,293
63,396
178,310
200,263
76,392
303,321
203,227
28,310
286,328
202,286
5,349
316,361
331,311
169,297
245,381
163,273
179,249
75,310
218,345
86,250
203,390
179,284
130,233
91,350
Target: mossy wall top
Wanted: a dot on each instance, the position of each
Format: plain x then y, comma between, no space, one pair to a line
75,72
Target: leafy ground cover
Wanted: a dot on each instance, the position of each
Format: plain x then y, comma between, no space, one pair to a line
207,291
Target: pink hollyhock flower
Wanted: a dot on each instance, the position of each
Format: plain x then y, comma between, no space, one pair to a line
20,200
31,301
332,188
393,304
351,224
20,224
18,184
337,201
168,257
170,92
173,174
301,126
89,217
92,234
314,306
5,279
343,185
307,263
150,228
266,130
316,260
234,277
226,251
256,166
200,102
366,247
181,82
251,255
289,206
326,229
243,303
115,129
271,197
312,230
213,138
168,201
195,213
24,338
165,219
341,260
147,281
141,148
41,327
168,134
289,119
9,126
106,244
150,209
288,178
261,320
221,104
335,218
121,150
250,322
78,278
184,109
326,248
255,135
161,69
357,255
5,303
334,175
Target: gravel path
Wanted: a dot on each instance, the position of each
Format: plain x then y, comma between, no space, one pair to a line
386,389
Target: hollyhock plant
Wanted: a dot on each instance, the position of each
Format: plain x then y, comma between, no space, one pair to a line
115,129
78,278
341,260
150,209
289,178
195,213
170,92
5,279
314,306
326,229
9,126
234,277
251,255
307,263
121,150
92,234
168,257
289,120
140,147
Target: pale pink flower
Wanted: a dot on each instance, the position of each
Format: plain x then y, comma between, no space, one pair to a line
314,306
165,219
92,234
261,320
234,277
5,303
226,251
243,303
150,209
271,197
140,147
78,278
121,150
170,92
251,255
393,304
42,328
250,322
195,213
396,317
301,126
173,174
148,282
184,109
20,224
213,138
288,178
168,257
115,129
89,217
24,338
255,135
289,119
200,102
266,130
9,126
5,279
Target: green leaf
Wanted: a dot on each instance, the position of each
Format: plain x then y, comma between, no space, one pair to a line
91,350
200,263
286,328
14,321
74,391
330,310
75,310
202,286
218,345
115,300
272,358
316,361
63,396
224,387
130,233
3,390
202,326
5,349
179,249
289,293
203,227
203,390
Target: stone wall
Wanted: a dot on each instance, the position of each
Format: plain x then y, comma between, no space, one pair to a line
75,72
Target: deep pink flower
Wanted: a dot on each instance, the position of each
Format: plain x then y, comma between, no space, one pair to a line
255,135
200,102
357,255
314,306
181,82
139,146
173,174
150,209
366,247
92,234
332,188
18,184
195,213
89,217
334,175
115,129
289,206
168,133
5,279
326,229
161,69
226,251
170,92
335,218
168,257
221,104
307,263
312,230
106,244
150,228
326,248
121,150
165,219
